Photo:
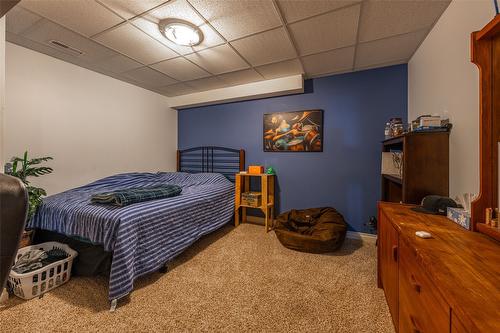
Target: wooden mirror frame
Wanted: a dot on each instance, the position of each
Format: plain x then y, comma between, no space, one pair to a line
485,53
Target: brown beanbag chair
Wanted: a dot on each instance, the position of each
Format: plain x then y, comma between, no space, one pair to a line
314,230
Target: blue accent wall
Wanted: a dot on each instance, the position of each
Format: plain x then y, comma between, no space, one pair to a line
346,175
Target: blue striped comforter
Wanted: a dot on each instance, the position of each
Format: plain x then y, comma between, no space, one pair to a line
143,236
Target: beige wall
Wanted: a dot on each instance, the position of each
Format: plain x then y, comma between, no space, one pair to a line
93,125
442,80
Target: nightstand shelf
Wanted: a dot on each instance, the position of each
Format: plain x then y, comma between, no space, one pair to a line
267,193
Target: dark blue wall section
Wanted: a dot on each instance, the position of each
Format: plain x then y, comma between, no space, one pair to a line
346,175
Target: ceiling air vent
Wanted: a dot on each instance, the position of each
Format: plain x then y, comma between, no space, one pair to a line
65,47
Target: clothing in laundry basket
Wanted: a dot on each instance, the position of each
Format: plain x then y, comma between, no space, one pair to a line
36,259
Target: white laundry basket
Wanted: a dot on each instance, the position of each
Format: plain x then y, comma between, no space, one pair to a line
36,283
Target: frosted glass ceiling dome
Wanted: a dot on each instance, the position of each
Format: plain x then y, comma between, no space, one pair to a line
181,32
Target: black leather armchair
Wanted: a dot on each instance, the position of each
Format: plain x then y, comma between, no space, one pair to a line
13,211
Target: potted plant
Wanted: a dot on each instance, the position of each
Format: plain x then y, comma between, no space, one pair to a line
23,168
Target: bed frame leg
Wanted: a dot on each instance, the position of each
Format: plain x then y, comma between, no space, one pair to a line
113,305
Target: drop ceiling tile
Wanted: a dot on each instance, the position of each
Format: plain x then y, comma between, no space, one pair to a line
241,77
119,64
178,9
294,10
389,49
130,8
218,60
381,19
266,47
235,19
149,77
176,90
329,62
280,69
36,46
210,37
180,69
207,83
75,14
19,20
329,31
45,31
134,43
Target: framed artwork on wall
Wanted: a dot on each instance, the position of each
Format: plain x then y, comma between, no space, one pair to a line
297,131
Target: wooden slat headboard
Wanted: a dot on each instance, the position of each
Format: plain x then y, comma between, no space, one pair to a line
226,161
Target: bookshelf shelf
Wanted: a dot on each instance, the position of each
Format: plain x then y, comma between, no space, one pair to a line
425,167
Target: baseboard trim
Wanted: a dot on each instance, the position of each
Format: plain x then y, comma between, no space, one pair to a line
350,234
361,236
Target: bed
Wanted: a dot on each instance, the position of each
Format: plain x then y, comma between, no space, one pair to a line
143,237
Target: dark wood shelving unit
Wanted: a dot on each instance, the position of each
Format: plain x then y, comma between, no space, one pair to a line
425,167
393,178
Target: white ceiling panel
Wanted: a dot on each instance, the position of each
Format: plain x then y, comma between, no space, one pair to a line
280,69
235,19
330,31
388,49
180,69
36,46
218,60
241,77
329,62
19,20
130,8
244,40
176,90
45,31
178,9
134,43
381,19
149,77
207,83
119,64
294,10
83,16
275,42
210,37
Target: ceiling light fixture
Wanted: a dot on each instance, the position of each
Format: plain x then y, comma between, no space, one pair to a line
181,32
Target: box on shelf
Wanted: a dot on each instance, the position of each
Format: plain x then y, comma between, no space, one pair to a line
430,121
252,199
460,216
255,169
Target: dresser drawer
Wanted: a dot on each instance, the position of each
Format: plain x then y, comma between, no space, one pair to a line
421,306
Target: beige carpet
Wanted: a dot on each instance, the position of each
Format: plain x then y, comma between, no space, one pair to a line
234,280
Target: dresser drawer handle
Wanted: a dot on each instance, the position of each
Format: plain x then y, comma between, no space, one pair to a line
395,252
414,284
415,325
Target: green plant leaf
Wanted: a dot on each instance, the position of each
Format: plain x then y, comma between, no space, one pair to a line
37,172
23,168
14,166
39,160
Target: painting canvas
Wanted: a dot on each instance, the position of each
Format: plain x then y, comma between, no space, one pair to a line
298,131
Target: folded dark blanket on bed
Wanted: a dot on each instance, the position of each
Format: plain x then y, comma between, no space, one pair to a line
134,195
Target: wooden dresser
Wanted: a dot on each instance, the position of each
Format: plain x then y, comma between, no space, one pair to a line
448,283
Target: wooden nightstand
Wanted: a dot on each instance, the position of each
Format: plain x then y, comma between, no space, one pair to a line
267,197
